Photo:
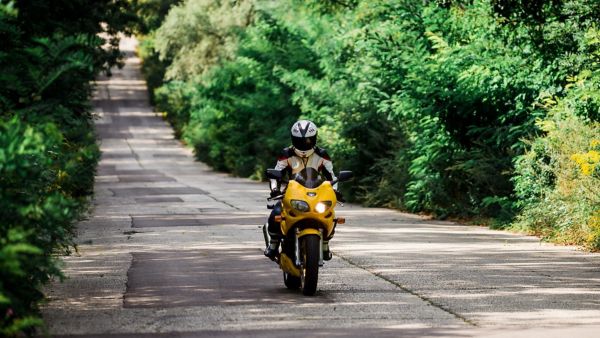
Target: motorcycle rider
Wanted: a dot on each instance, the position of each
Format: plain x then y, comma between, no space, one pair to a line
303,153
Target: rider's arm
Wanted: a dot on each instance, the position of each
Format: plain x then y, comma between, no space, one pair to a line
326,166
282,164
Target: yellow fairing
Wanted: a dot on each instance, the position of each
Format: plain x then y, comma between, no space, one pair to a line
288,266
312,218
309,231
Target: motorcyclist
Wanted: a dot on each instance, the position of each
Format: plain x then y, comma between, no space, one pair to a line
303,153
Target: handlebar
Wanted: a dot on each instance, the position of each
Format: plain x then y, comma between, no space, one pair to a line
275,198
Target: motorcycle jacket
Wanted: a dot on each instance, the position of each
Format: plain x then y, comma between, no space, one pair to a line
292,163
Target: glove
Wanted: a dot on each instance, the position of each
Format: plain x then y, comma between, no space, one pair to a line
275,192
339,197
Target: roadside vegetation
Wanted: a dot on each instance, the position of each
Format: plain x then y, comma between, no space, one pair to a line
482,109
50,52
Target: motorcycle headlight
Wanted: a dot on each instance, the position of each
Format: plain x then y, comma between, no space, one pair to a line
322,206
300,205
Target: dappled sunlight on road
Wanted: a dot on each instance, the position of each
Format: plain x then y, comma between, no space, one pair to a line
477,271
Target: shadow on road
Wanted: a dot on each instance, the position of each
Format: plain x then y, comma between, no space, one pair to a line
207,277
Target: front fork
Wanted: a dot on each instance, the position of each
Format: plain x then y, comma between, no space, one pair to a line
321,249
266,235
298,256
297,248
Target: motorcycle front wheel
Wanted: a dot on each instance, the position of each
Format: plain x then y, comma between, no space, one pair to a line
310,266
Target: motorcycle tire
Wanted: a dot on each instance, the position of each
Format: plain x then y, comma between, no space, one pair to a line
290,281
310,267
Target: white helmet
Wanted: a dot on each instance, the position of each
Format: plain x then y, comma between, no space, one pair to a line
304,138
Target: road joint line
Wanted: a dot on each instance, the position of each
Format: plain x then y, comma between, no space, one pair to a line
407,290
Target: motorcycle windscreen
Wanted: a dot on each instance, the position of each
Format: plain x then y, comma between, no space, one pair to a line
309,178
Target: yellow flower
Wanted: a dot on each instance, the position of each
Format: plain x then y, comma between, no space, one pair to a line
587,161
594,228
594,143
593,156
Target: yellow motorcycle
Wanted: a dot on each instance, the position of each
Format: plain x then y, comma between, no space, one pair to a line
307,218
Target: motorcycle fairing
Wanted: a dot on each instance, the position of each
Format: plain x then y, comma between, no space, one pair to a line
286,264
296,191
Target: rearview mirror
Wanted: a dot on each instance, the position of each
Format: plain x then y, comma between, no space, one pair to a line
274,174
345,175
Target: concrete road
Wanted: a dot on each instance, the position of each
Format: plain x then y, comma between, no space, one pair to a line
174,249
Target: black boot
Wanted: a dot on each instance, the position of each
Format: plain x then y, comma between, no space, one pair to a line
273,249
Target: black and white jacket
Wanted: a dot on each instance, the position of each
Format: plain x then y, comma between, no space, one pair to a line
318,159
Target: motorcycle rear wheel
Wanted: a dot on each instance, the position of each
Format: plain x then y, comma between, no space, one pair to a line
290,281
310,267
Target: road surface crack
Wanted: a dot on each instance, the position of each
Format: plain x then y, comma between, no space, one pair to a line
407,290
135,154
224,202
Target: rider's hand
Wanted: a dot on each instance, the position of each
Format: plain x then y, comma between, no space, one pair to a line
275,192
339,197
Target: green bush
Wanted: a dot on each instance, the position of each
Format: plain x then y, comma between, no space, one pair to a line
559,184
430,103
426,103
35,216
150,14
242,111
153,68
49,55
175,98
558,179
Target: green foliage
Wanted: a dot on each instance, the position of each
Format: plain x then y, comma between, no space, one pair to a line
471,95
558,179
559,183
198,33
49,55
151,13
429,102
153,68
35,216
242,111
63,18
195,35
176,99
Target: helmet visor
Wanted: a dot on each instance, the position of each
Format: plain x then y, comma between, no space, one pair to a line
304,143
